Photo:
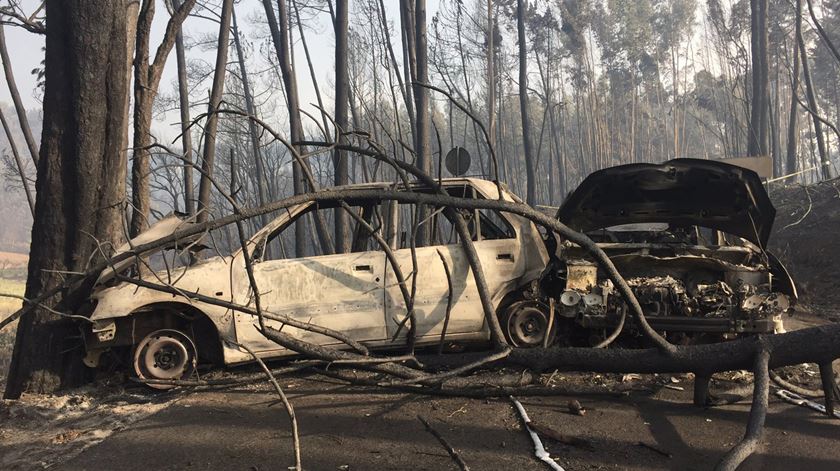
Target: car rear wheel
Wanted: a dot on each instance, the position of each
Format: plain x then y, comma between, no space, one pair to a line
525,324
165,354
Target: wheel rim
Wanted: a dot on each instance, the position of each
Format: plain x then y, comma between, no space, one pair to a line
527,324
165,354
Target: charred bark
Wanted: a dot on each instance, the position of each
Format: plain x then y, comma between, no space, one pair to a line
78,204
209,154
527,141
184,99
758,129
793,117
342,85
146,81
279,27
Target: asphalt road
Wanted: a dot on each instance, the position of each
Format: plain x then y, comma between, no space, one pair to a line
343,428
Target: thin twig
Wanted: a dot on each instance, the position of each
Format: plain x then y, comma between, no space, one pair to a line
454,454
288,405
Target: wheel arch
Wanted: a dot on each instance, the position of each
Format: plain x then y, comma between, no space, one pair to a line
184,317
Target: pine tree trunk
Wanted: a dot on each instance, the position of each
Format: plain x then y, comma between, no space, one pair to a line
253,132
527,144
209,154
78,200
825,165
491,77
341,26
758,128
186,136
279,27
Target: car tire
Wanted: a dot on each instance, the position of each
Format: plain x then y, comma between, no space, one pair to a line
165,354
525,324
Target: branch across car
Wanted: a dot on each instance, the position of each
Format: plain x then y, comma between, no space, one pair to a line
689,237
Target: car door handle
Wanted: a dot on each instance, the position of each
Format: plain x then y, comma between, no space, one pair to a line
368,268
505,256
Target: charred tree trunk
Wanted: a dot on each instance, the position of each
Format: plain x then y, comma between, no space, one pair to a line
279,26
13,91
78,202
421,94
341,25
793,125
758,130
413,19
253,132
491,77
146,81
825,164
527,144
209,154
186,137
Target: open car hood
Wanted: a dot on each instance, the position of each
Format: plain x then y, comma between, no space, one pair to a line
165,227
684,192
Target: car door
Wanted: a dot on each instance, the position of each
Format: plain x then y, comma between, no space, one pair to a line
502,269
343,292
432,293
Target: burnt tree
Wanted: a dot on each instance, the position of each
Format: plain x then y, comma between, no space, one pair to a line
342,86
209,155
758,129
527,142
78,201
146,81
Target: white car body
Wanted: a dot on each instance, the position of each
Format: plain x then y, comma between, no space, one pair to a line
355,293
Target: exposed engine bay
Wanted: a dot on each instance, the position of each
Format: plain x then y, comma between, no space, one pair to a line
684,288
688,238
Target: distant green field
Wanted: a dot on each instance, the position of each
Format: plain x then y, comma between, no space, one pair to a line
9,305
7,335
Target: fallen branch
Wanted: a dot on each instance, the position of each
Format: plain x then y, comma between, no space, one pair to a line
662,452
454,454
829,386
288,405
758,413
539,449
785,384
250,379
247,310
440,377
798,400
812,345
485,386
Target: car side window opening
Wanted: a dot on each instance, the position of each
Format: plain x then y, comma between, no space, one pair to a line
280,244
483,224
394,222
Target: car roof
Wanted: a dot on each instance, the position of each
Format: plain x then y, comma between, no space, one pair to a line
487,187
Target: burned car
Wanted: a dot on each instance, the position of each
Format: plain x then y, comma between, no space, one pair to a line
165,334
689,237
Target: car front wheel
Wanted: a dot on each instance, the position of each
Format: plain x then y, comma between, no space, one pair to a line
165,354
526,324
